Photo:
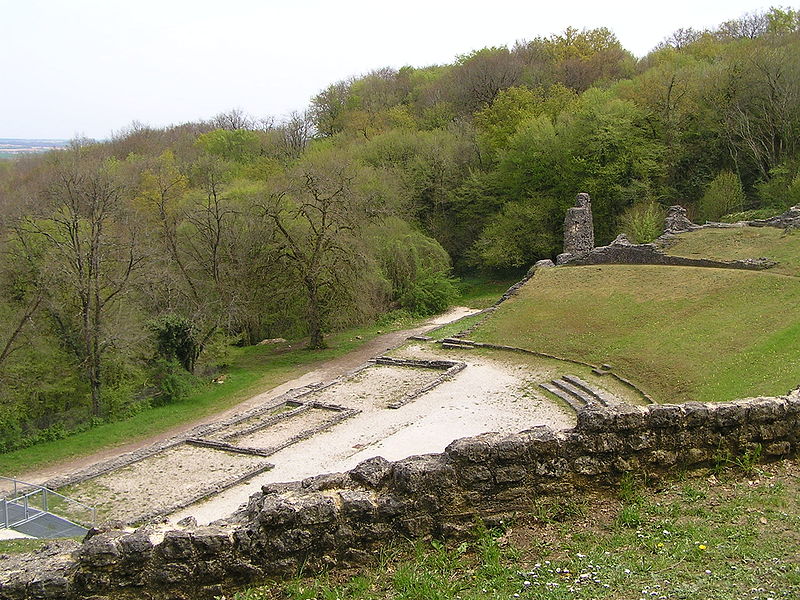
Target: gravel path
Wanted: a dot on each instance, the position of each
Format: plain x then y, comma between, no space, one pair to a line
326,371
488,395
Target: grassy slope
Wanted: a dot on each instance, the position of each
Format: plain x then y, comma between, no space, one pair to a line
725,538
682,333
746,242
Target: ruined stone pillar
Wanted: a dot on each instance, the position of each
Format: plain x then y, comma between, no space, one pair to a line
677,221
578,227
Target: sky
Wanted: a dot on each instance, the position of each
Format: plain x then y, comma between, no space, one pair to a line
92,67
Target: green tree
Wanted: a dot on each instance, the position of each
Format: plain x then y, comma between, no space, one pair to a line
319,210
83,246
522,233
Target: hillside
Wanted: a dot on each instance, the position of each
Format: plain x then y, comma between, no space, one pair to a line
681,333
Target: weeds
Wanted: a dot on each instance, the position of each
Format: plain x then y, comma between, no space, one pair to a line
724,459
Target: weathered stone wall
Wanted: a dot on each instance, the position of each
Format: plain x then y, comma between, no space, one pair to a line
346,518
622,252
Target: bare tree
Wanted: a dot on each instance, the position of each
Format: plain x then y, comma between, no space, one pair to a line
297,131
233,119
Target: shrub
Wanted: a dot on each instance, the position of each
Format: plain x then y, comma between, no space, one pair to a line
416,267
176,339
431,293
643,222
781,191
519,235
171,382
723,195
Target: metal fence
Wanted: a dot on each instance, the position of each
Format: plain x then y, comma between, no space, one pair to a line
21,502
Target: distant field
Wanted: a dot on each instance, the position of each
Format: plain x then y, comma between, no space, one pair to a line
681,333
12,147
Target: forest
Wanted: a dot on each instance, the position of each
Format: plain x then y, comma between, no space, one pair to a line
130,267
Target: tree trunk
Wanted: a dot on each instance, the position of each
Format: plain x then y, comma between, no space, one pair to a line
314,319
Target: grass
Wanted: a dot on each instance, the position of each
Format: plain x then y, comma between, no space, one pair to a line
20,546
680,333
455,327
480,292
725,537
745,242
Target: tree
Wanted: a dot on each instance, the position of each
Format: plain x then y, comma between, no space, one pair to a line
234,119
479,76
328,107
498,122
318,210
84,249
762,112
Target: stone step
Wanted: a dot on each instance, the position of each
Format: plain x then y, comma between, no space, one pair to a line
582,395
452,346
601,396
455,340
571,400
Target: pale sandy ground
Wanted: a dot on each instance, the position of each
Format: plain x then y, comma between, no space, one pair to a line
325,372
10,534
160,481
488,395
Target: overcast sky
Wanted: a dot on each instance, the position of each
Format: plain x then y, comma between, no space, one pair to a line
91,67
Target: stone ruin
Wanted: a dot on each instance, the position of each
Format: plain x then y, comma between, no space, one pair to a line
579,248
579,227
787,220
677,221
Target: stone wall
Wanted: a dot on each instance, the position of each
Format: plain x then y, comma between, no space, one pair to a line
622,252
345,518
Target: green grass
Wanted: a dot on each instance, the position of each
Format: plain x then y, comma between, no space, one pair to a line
726,538
20,546
480,292
455,327
680,333
745,242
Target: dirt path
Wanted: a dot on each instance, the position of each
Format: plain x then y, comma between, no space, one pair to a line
324,371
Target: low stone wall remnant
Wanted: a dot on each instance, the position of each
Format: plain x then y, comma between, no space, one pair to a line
346,518
622,252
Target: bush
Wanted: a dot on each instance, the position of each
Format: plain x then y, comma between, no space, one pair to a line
519,235
431,292
176,339
723,195
643,222
416,267
781,191
171,381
